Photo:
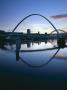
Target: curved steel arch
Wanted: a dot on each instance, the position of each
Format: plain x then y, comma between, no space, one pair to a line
58,30
35,15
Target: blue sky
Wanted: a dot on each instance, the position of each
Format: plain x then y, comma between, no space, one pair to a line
12,11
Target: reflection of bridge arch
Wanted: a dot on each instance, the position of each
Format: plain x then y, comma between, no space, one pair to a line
36,15
30,64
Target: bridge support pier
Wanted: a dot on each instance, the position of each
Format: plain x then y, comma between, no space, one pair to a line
61,42
18,46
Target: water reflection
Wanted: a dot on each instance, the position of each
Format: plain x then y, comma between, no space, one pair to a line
34,54
29,53
55,71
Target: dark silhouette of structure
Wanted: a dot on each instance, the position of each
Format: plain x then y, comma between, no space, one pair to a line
28,31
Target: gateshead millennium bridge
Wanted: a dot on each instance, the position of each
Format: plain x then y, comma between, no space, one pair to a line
19,38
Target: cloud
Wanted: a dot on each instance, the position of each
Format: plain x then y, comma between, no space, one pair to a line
65,29
61,56
62,16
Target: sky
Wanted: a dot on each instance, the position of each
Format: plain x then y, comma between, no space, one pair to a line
12,11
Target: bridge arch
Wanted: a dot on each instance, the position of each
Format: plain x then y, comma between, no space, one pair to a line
52,42
36,15
58,31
